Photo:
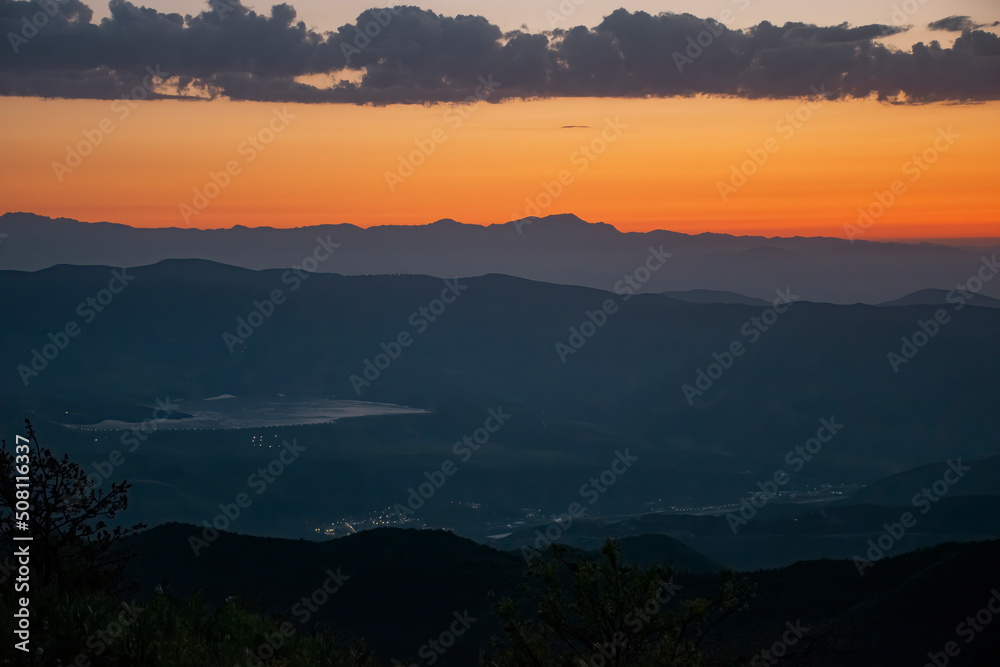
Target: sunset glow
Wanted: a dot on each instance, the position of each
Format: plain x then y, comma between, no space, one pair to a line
331,164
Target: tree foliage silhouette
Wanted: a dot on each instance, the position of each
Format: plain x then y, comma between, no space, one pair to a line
601,612
72,546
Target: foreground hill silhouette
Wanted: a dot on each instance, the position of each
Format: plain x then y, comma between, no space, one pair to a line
901,610
402,581
386,589
399,589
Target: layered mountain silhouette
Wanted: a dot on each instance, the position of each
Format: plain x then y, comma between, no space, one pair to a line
625,386
559,249
937,297
715,296
706,389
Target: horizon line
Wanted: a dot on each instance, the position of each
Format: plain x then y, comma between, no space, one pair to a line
939,240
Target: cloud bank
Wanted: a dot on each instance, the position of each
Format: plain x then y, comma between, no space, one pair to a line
409,55
959,24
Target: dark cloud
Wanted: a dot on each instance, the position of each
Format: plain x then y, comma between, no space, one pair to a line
409,55
959,24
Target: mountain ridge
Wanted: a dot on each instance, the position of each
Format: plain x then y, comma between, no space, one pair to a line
560,249
551,218
165,335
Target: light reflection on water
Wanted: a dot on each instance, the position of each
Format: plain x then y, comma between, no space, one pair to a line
238,413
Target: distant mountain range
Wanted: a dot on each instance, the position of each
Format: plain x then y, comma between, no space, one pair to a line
982,479
939,297
495,345
88,343
559,249
715,296
787,529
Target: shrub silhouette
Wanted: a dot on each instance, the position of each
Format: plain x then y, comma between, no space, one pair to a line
72,547
601,612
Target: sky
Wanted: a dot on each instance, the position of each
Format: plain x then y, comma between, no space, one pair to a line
772,128
538,14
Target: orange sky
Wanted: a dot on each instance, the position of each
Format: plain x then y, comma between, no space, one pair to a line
329,164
